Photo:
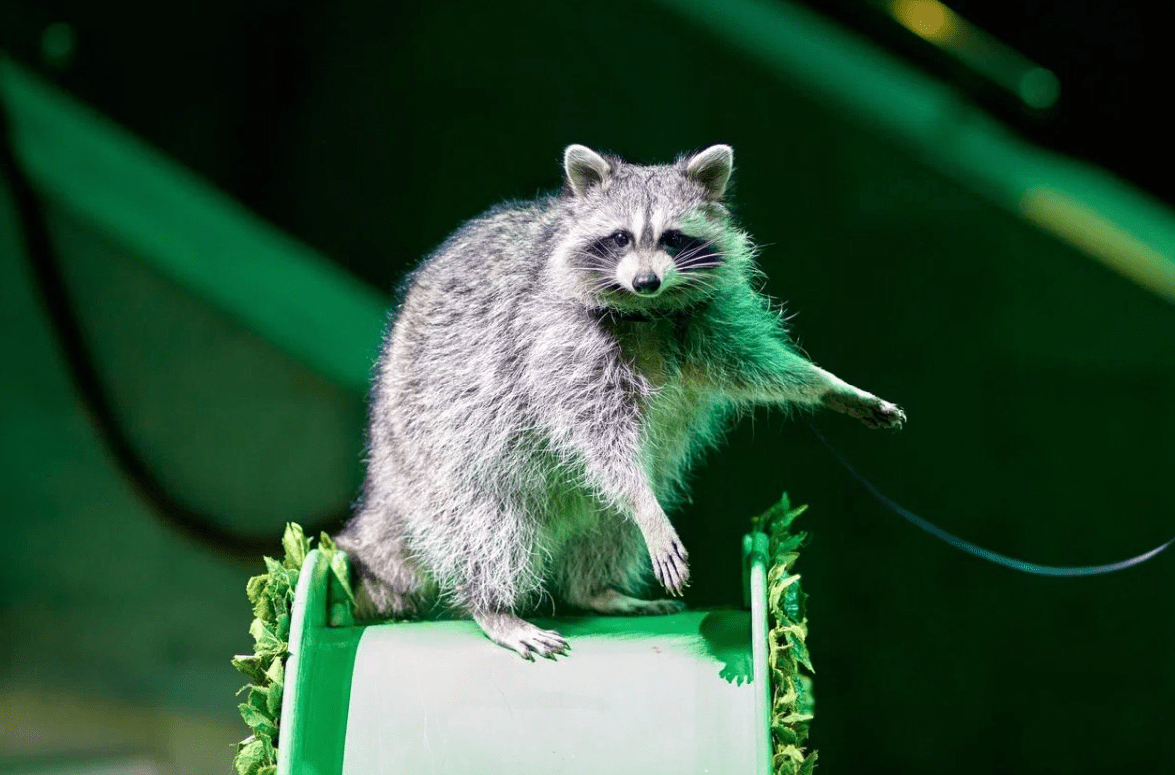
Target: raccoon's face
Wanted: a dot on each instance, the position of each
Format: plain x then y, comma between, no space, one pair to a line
648,237
650,262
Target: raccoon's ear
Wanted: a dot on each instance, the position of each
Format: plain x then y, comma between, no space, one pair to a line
711,168
584,168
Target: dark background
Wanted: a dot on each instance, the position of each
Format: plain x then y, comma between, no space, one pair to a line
1038,383
313,113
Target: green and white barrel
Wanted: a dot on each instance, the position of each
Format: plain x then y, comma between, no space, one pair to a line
685,693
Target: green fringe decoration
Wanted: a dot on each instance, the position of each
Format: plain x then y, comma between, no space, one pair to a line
272,596
792,703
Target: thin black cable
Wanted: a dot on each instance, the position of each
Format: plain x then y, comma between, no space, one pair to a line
96,399
986,554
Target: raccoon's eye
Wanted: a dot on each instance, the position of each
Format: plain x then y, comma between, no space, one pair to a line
620,239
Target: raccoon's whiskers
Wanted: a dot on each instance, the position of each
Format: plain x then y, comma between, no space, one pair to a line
701,265
693,250
606,285
696,257
694,260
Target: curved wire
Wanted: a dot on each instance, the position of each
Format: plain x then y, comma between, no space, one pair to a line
986,554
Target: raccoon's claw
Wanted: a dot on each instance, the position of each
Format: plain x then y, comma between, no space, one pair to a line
867,408
521,636
543,643
670,568
885,415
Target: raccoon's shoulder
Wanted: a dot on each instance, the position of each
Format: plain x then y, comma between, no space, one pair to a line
502,242
510,225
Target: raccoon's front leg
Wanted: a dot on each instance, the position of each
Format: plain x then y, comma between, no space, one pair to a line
602,429
668,555
806,384
607,557
842,397
609,450
751,362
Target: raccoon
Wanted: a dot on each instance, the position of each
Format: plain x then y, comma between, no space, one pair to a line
554,370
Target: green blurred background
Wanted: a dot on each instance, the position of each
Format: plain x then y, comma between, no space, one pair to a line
233,189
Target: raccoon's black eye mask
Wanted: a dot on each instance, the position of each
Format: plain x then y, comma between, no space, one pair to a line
607,246
690,253
674,242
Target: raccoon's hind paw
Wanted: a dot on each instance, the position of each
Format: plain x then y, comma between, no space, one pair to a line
509,631
652,607
616,603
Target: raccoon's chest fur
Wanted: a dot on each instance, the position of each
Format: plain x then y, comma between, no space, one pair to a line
680,417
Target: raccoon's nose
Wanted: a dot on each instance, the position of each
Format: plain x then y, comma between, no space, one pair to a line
646,283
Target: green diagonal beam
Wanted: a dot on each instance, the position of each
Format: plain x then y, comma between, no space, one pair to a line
193,234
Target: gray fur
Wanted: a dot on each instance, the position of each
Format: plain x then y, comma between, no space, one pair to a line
533,415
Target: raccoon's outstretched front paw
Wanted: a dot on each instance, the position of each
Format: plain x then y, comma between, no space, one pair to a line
506,629
669,564
885,415
867,408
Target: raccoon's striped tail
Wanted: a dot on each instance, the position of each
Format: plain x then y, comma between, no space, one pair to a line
979,551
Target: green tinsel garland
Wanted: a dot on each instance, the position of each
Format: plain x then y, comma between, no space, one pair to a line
792,703
272,596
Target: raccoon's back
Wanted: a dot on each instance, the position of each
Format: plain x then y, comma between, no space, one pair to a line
448,377
466,297
484,255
